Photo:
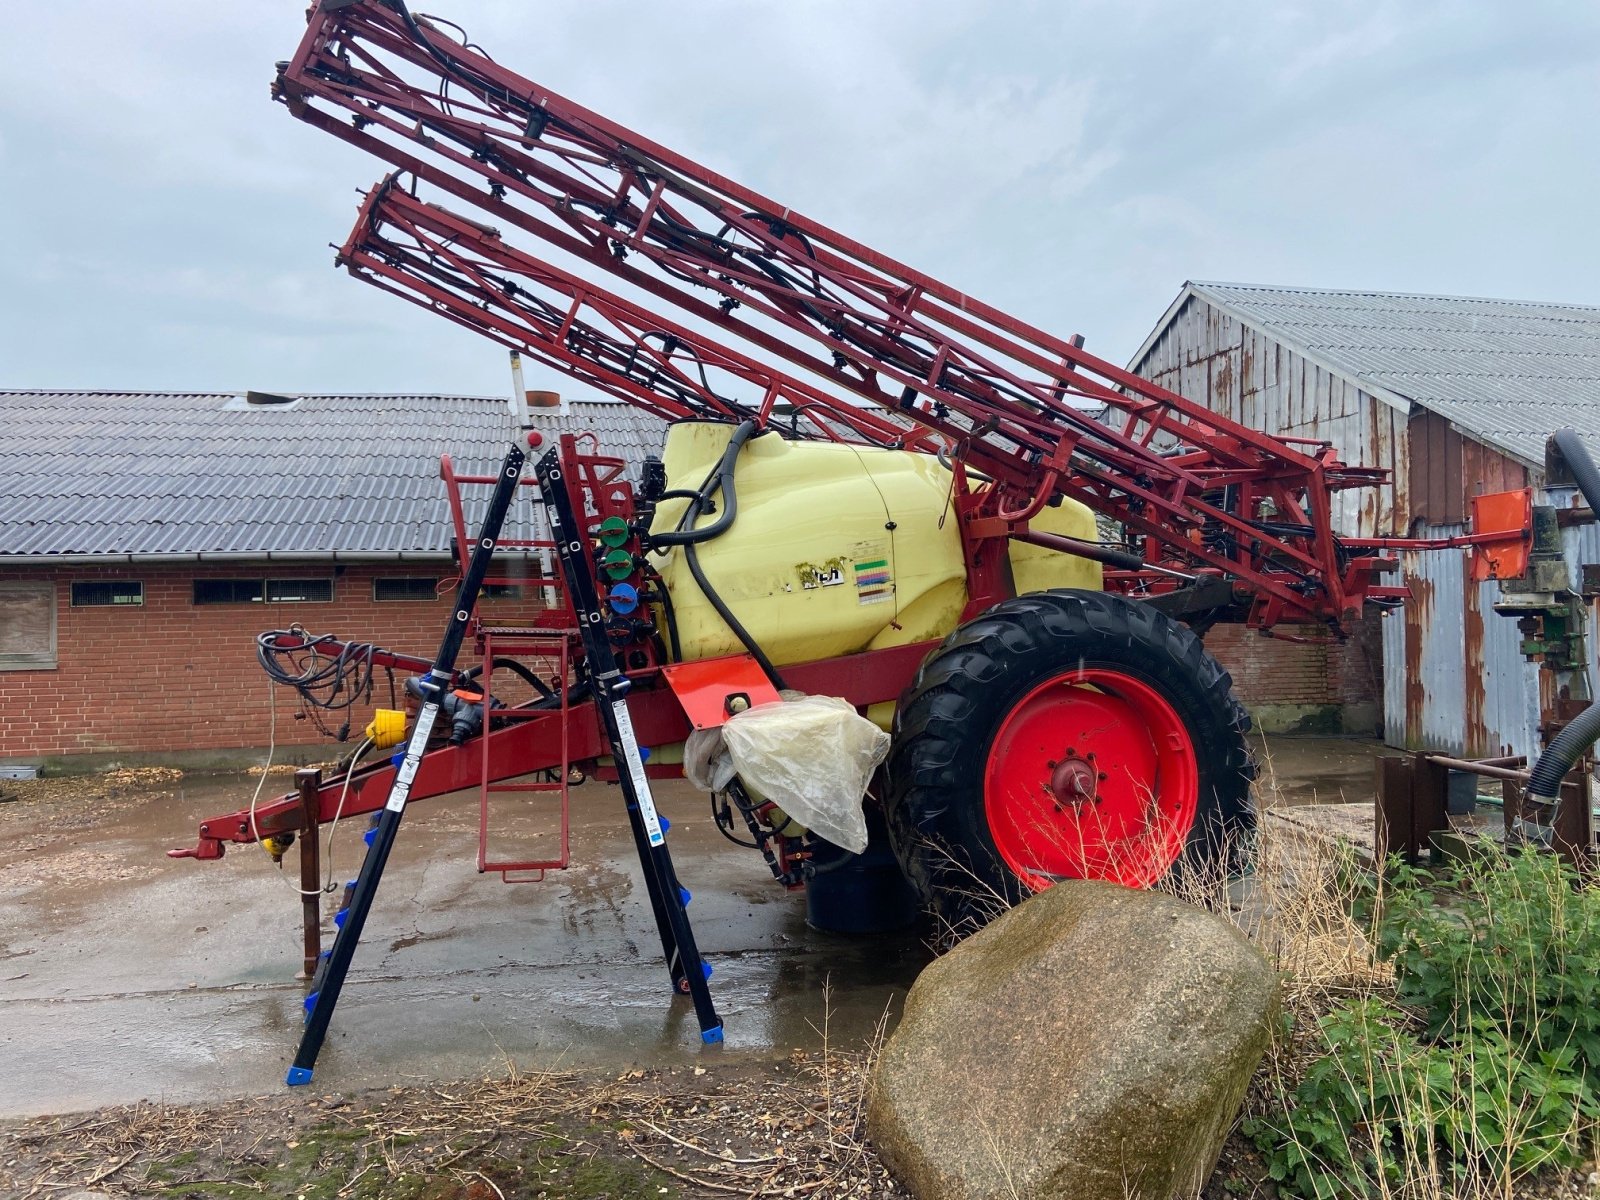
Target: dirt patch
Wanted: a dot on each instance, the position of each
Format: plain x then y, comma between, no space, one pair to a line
78,802
757,1129
68,867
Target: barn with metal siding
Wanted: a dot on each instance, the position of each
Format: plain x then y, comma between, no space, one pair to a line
1455,397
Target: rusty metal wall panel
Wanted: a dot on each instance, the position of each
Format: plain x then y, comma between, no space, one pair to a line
1510,684
1208,354
1440,660
1394,677
1456,680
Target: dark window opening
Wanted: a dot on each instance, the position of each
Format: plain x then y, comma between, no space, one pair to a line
501,591
299,591
97,593
257,591
405,588
229,591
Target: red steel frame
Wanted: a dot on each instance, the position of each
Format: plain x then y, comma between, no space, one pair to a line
1023,416
1204,494
553,646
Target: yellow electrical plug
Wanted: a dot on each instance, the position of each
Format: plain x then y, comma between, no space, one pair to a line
388,728
276,843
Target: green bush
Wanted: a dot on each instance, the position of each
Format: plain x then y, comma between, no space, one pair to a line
1483,1064
1516,943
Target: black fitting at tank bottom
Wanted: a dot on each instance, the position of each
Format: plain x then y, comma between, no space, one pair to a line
860,893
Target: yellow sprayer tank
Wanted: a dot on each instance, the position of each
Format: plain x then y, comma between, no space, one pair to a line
836,548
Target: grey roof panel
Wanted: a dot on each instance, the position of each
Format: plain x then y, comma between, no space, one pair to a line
1506,371
195,473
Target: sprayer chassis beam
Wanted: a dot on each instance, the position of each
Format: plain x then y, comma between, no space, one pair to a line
520,747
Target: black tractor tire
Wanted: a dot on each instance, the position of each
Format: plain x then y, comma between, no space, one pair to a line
961,699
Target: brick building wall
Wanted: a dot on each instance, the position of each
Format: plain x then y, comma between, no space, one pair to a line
170,676
1314,686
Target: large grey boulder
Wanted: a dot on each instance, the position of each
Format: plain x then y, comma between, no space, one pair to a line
1094,1042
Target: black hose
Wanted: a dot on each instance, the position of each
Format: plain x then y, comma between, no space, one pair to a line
1564,750
720,480
732,622
687,536
669,613
1580,464
1544,781
521,670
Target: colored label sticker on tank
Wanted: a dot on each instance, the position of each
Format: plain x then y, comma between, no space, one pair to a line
874,578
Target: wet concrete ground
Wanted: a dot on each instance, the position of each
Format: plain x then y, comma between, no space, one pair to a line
125,975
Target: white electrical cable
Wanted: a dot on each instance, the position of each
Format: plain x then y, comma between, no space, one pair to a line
338,812
272,750
366,744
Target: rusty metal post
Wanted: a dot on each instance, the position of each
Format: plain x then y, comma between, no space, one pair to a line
1573,832
309,783
1394,827
1511,797
1430,812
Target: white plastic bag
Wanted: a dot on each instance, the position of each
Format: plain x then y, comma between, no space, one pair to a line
705,761
813,757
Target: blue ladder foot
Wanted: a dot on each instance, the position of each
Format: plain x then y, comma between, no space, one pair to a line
299,1076
708,1036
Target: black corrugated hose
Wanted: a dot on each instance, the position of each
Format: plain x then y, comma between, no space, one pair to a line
1544,781
689,537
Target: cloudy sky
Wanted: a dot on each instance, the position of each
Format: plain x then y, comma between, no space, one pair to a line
1074,162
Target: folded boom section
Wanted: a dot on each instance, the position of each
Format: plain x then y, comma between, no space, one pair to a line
525,176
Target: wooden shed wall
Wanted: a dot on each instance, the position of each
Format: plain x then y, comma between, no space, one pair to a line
1205,354
1447,469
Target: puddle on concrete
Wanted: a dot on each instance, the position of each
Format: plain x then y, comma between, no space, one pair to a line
188,968
127,975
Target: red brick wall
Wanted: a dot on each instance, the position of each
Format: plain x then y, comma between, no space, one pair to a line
1274,671
171,675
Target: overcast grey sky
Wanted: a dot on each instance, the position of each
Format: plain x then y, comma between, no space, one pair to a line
168,227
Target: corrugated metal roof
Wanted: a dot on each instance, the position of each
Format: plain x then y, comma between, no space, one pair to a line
1508,372
199,473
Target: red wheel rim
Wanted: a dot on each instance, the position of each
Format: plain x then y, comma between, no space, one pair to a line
1091,775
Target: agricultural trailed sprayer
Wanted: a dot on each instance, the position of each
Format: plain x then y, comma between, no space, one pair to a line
982,557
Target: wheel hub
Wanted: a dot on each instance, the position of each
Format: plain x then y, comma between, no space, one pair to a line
1074,781
1120,812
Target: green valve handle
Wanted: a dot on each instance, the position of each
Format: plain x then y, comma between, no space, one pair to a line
618,564
613,532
